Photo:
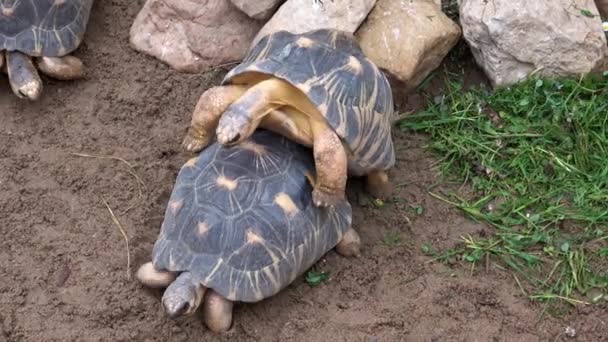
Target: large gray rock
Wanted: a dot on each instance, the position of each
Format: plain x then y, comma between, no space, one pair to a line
299,16
512,38
257,9
193,35
408,39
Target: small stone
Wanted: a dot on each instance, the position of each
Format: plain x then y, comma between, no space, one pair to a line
570,332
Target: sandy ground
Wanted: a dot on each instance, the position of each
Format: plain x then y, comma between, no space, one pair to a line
63,262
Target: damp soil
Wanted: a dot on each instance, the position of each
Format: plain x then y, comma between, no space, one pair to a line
63,260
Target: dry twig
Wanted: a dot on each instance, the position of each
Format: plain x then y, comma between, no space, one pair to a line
124,235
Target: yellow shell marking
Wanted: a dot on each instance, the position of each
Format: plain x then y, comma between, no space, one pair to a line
203,228
304,42
175,206
191,162
226,183
354,65
286,203
253,238
8,11
253,147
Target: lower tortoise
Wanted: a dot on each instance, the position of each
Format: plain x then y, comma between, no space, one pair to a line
316,88
41,34
240,226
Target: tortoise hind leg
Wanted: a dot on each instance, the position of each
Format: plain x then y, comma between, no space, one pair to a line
206,115
151,277
23,76
217,312
378,184
64,68
350,245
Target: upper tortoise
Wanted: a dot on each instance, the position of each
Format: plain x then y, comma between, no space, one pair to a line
48,30
240,226
316,88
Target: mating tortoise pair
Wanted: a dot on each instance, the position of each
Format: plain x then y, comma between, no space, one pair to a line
44,32
243,220
316,88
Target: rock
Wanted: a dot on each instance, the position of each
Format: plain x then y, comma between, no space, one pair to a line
193,35
512,38
299,16
260,9
602,6
408,39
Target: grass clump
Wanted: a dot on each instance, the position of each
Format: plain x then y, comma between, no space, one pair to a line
536,156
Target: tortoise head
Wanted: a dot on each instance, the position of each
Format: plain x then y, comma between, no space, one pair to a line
183,296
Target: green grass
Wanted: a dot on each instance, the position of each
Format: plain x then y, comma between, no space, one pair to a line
536,158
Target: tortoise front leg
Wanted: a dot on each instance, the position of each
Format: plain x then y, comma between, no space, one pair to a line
331,166
243,116
217,312
2,60
64,68
206,115
23,76
153,278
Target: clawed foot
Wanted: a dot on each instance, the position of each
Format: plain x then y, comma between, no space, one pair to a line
322,198
193,143
227,134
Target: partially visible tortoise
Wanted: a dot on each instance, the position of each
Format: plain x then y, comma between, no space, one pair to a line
48,30
240,226
317,88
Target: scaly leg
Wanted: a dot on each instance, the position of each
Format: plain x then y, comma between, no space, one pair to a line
23,76
217,312
331,166
206,115
64,68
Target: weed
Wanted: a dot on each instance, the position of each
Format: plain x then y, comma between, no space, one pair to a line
314,278
392,240
536,156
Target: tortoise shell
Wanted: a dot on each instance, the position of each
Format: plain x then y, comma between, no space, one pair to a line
43,27
349,90
242,220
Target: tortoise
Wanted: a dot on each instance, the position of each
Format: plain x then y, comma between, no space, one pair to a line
43,32
317,88
240,226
